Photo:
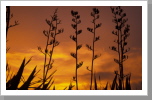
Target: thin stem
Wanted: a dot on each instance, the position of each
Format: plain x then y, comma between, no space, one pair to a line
122,75
76,57
92,55
119,54
7,19
51,51
46,49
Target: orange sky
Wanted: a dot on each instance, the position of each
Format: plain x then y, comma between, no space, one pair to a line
24,39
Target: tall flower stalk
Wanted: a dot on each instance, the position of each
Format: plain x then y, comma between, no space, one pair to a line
122,33
8,26
95,15
51,43
76,20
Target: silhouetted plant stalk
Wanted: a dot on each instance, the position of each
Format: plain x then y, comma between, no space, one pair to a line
95,15
51,42
122,33
76,20
8,18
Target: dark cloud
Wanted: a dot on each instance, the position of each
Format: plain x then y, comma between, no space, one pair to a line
104,76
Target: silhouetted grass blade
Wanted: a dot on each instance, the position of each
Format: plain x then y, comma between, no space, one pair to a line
54,88
51,83
48,84
106,87
51,75
95,83
45,86
70,86
39,87
129,82
114,83
128,86
27,83
64,88
16,79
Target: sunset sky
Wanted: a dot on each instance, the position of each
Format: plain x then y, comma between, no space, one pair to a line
24,39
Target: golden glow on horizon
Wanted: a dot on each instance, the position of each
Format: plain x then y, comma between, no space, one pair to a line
66,67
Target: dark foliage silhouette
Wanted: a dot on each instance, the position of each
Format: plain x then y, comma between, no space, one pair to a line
8,17
122,33
51,43
13,82
77,21
95,15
